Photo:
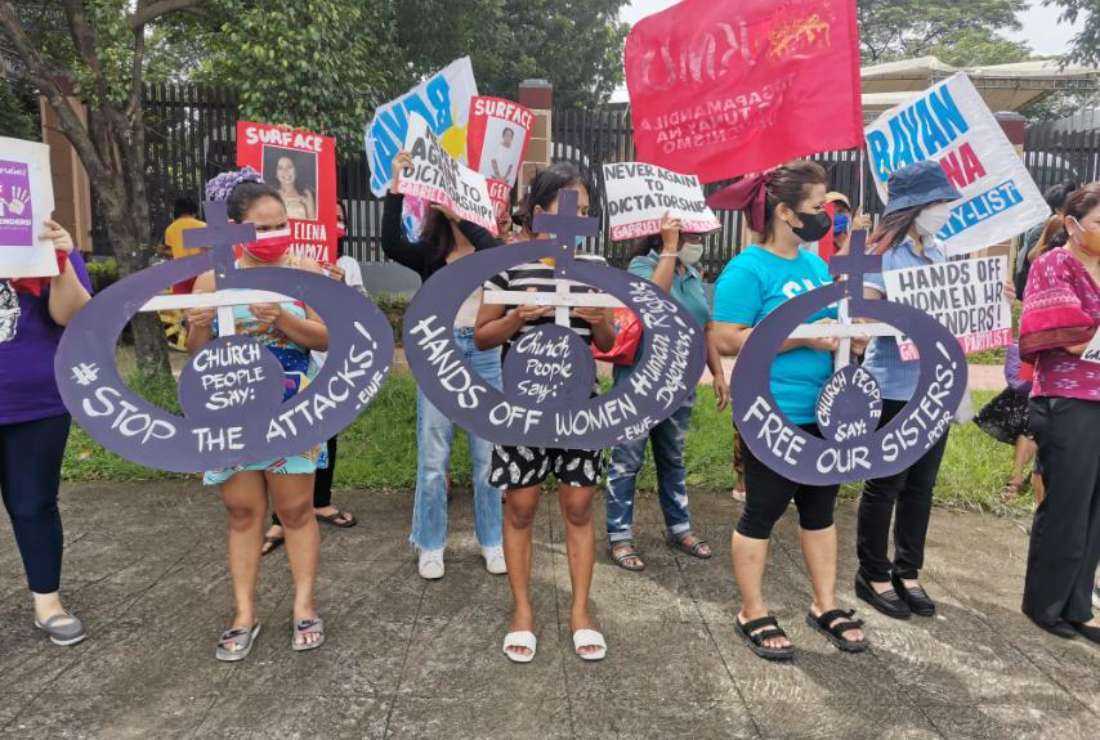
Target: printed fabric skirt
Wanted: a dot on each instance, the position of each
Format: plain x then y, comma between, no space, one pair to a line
305,464
1006,417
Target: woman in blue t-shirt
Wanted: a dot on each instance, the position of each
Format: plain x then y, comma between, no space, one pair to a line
786,209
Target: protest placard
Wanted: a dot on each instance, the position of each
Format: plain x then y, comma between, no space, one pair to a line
720,89
443,100
26,200
639,195
301,165
498,135
1092,352
438,177
500,193
966,296
951,124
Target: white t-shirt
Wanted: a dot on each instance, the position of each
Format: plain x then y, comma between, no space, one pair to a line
353,278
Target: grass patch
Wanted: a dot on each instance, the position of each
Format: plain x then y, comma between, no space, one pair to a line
379,451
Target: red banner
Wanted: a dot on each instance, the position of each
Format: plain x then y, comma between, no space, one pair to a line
497,137
720,89
501,195
301,165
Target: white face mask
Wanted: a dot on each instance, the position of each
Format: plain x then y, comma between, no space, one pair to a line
691,253
932,219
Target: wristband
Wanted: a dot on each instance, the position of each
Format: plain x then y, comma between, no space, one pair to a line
664,255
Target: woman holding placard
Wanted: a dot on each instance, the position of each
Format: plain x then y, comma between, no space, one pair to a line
522,470
444,239
1060,319
34,424
905,238
786,207
290,331
668,259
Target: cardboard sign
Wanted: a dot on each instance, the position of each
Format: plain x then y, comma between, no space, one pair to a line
951,124
443,100
440,178
301,165
639,195
966,296
26,200
1092,352
545,403
850,403
231,390
497,140
720,89
500,193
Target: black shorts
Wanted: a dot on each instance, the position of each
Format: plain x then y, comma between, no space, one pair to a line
521,467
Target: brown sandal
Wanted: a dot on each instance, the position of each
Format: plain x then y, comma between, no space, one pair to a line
1012,490
622,552
341,519
271,544
700,549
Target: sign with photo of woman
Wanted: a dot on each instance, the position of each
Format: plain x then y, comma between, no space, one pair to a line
498,136
301,166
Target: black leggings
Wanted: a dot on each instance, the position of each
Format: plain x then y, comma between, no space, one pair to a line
30,473
322,482
768,493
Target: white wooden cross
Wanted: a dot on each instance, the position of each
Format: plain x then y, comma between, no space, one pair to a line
853,267
565,225
219,235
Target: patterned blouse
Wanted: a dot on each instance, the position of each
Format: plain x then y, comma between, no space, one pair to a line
1061,309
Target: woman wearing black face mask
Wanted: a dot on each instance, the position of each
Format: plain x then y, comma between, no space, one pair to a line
785,208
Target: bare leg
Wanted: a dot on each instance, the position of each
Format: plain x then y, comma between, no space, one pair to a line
520,506
749,557
245,500
580,547
819,550
1025,453
293,499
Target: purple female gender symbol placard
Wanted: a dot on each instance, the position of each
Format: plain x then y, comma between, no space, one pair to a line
850,404
560,413
231,391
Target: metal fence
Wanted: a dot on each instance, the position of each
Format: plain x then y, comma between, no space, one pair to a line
191,132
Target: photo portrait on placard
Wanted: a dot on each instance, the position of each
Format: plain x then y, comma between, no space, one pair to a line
294,174
502,150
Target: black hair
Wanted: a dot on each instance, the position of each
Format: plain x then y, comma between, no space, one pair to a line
185,205
245,195
546,185
1056,195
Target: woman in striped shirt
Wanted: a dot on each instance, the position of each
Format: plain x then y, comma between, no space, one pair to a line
522,470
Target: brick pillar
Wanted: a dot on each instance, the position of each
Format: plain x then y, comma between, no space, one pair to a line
71,191
538,95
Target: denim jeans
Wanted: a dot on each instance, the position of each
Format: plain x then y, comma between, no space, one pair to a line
434,433
668,455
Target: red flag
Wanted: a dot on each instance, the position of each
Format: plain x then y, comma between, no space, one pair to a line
719,88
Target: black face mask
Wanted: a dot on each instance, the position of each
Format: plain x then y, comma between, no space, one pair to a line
814,226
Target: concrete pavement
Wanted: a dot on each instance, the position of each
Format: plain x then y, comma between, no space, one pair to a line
407,658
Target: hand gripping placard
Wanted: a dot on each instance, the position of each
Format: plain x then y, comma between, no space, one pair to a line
558,412
850,404
231,391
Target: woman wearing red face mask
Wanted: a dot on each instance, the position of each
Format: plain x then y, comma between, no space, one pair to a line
290,331
1061,315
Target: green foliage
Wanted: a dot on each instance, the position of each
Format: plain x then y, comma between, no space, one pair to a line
900,29
575,44
102,272
972,47
17,118
1085,46
394,307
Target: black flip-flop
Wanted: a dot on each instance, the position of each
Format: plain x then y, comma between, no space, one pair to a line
1061,628
1087,631
835,633
756,641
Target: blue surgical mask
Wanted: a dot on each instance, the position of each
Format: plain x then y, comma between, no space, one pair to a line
840,224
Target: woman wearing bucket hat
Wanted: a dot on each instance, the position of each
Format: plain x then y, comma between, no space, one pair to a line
905,237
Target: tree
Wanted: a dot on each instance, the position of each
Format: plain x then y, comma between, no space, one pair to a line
1085,46
575,44
96,49
900,29
973,48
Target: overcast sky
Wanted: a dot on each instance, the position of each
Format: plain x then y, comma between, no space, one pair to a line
1040,27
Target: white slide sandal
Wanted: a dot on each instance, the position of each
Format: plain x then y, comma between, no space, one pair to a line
523,639
589,638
